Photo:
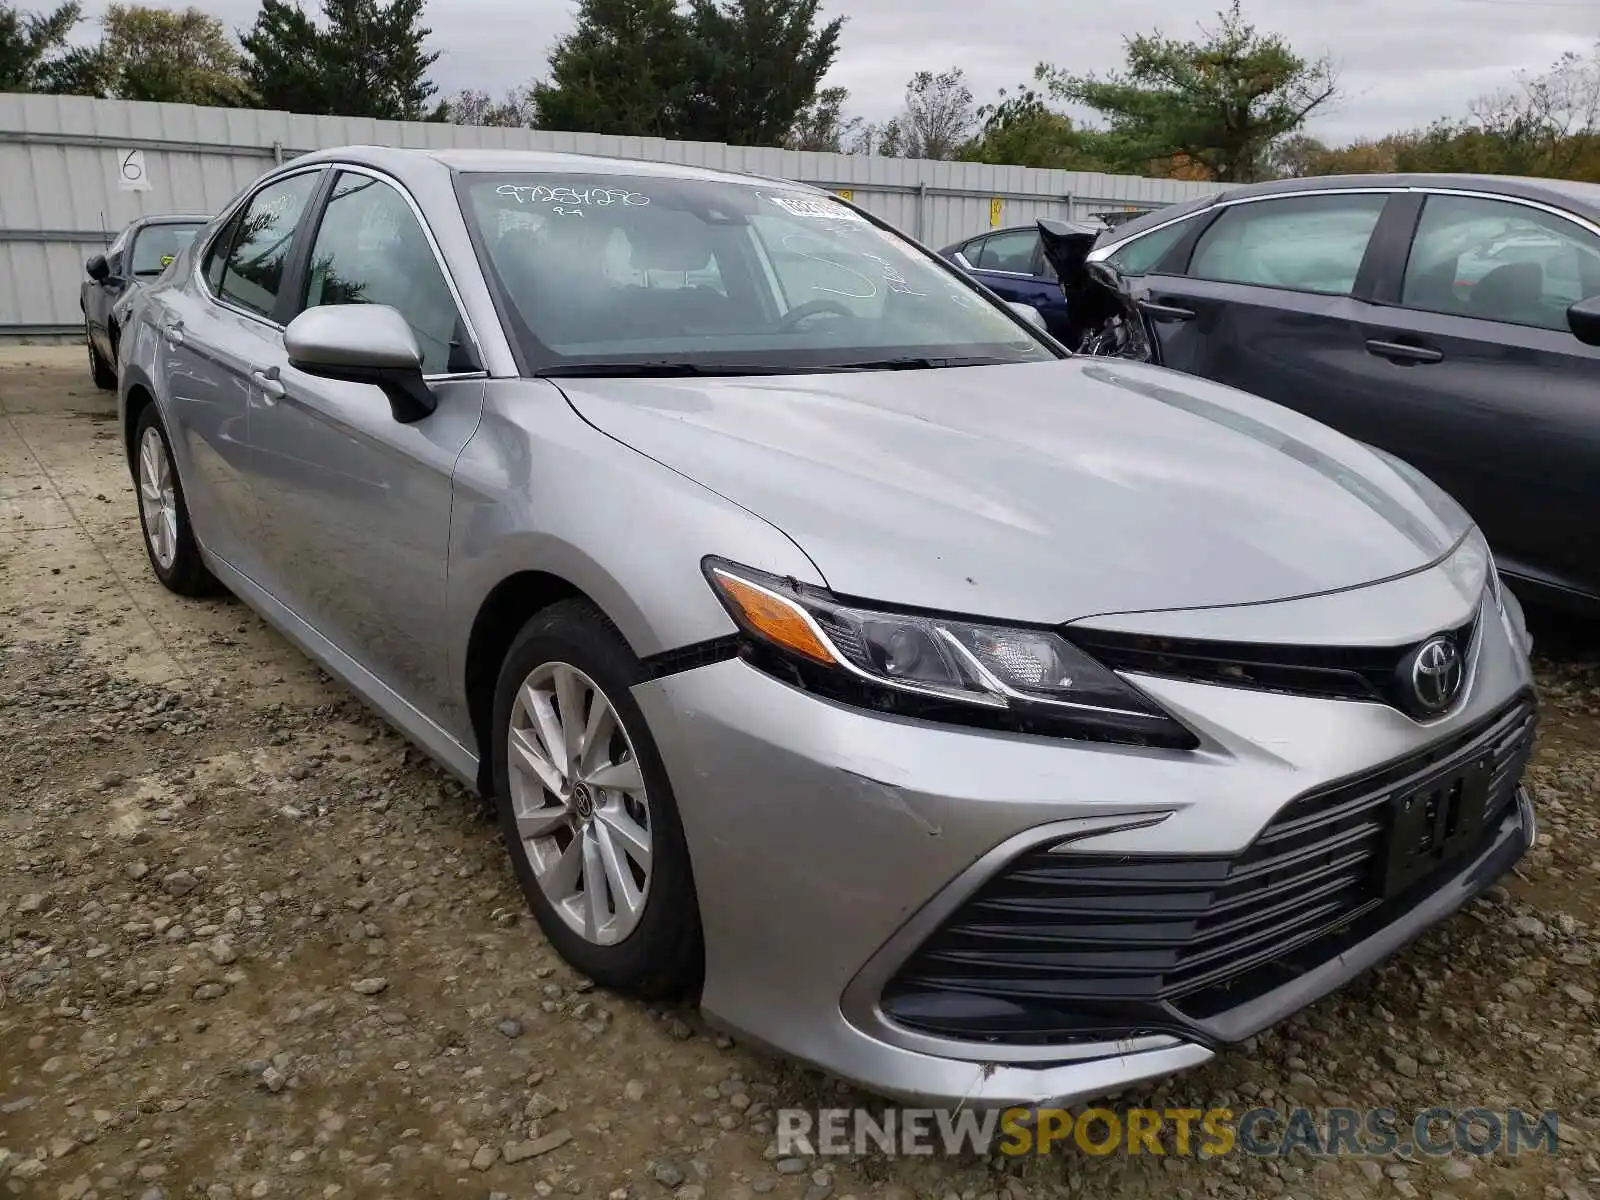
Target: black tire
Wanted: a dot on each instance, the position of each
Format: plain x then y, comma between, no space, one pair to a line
104,374
663,956
188,574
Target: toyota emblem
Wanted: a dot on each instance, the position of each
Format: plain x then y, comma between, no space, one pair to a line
1436,675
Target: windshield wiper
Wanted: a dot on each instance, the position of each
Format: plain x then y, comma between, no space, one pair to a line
670,368
917,363
655,369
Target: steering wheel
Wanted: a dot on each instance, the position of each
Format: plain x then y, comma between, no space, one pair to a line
811,308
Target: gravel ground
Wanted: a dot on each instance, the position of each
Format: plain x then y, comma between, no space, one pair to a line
251,945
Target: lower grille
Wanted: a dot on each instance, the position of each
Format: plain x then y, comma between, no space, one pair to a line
1060,947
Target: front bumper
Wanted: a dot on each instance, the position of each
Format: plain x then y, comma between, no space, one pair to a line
828,843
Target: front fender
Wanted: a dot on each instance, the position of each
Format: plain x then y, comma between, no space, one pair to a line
539,489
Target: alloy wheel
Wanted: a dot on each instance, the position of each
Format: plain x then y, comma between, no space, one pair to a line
579,800
158,500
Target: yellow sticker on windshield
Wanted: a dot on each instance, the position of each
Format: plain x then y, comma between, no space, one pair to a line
166,259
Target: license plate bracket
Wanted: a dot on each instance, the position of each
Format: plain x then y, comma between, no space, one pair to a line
1435,821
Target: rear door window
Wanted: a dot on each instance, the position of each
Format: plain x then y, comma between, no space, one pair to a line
1499,261
1013,252
254,272
1300,243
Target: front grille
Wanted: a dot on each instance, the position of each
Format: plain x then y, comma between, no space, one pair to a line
1059,947
1329,672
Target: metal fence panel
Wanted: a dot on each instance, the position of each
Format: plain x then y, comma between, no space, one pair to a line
66,162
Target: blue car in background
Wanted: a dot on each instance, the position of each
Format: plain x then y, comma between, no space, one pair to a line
1011,264
1019,265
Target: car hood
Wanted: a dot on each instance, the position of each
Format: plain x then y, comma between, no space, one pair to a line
1066,244
1037,492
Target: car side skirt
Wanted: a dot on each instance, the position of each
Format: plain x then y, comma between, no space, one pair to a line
389,704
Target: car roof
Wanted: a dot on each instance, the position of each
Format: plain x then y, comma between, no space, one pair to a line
407,164
1582,199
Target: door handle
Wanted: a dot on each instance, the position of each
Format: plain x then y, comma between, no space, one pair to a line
1400,352
1165,312
173,331
269,383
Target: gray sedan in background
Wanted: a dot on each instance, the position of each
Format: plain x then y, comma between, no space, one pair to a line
981,723
139,254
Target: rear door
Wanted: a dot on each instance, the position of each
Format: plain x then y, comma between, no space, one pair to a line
355,505
213,332
1488,391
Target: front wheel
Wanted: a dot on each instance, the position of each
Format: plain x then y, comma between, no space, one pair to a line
586,808
164,515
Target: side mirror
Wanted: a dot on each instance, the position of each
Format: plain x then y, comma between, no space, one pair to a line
1583,318
962,261
363,343
99,269
1027,312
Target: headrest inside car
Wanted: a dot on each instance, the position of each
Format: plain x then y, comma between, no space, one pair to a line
674,246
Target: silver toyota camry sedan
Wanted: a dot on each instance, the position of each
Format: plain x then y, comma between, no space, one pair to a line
977,722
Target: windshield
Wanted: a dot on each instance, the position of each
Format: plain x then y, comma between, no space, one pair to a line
635,270
158,245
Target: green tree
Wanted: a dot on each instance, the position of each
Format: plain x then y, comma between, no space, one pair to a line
936,122
285,60
474,107
184,57
1220,103
367,59
1021,129
1296,155
822,125
754,68
1547,125
622,70
35,55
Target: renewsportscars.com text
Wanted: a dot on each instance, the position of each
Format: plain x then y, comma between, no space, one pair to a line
1202,1132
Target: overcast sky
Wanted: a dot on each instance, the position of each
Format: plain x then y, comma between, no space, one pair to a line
1401,62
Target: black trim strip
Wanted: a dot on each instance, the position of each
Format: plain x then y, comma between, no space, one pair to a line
688,658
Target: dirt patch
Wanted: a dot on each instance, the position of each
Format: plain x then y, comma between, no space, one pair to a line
253,945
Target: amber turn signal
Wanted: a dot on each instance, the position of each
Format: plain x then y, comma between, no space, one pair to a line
771,617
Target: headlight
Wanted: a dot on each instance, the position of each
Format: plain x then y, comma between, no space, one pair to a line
1471,569
994,676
